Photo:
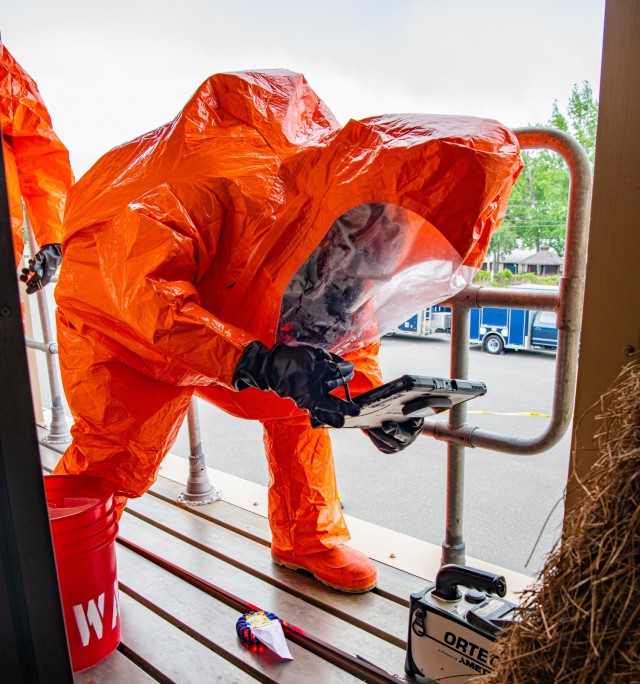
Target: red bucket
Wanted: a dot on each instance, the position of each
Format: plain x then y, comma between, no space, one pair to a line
84,526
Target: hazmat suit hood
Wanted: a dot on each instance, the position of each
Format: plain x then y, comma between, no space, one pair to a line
230,223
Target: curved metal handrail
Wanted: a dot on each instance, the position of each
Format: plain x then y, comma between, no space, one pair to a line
567,303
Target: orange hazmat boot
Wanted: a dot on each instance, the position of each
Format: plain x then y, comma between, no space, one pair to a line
341,567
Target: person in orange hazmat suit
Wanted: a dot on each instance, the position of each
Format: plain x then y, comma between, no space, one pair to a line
37,171
253,251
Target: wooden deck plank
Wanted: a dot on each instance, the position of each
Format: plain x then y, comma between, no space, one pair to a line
337,630
115,669
170,651
226,514
211,628
370,611
48,455
392,583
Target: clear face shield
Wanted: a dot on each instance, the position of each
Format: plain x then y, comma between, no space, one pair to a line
376,267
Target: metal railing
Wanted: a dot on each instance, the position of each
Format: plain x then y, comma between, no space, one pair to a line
58,428
567,303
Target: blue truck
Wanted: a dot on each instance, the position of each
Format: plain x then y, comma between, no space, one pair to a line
495,328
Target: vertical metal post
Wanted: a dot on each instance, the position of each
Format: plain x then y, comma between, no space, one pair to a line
58,430
32,357
199,489
453,547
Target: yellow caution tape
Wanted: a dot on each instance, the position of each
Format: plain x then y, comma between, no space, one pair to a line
523,413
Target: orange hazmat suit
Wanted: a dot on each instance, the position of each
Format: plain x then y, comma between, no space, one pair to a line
180,245
36,162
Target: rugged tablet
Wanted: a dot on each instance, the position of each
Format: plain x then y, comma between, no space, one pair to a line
411,396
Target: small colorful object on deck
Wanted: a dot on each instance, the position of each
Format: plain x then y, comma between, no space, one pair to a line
260,626
256,618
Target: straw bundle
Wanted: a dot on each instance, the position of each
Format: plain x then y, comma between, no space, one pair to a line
581,623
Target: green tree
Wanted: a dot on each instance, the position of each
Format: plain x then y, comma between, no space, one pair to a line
582,111
503,241
537,213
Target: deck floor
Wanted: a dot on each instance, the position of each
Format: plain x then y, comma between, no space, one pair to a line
174,630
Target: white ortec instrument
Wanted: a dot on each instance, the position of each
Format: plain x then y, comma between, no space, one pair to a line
454,623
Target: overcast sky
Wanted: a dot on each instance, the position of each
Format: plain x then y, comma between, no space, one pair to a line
109,71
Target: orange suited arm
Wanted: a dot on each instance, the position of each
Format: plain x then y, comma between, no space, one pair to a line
45,177
42,162
152,257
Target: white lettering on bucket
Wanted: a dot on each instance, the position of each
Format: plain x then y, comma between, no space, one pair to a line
93,617
116,605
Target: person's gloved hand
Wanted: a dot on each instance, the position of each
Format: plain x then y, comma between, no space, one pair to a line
303,373
392,437
42,267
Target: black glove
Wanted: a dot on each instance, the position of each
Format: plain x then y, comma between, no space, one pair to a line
303,373
392,437
42,267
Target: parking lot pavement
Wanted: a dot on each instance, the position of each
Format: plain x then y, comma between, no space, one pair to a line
507,498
